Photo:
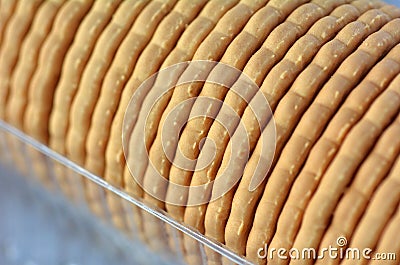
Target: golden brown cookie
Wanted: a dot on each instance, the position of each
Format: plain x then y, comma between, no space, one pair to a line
114,154
75,61
93,75
242,11
163,41
6,10
184,50
350,154
14,34
28,60
383,204
157,156
26,64
389,243
237,55
289,104
188,43
51,58
114,149
369,176
274,49
353,70
115,77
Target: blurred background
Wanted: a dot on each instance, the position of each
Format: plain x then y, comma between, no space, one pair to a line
37,227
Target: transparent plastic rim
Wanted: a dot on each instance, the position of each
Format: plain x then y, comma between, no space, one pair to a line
162,215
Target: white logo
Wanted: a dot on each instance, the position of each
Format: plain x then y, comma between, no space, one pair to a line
341,241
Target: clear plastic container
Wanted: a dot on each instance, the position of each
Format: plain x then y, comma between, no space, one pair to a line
170,240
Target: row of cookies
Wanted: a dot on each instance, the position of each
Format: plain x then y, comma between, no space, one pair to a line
328,70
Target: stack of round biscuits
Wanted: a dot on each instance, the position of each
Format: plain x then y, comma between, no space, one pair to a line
328,69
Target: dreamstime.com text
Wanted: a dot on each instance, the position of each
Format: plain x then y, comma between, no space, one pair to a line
330,252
